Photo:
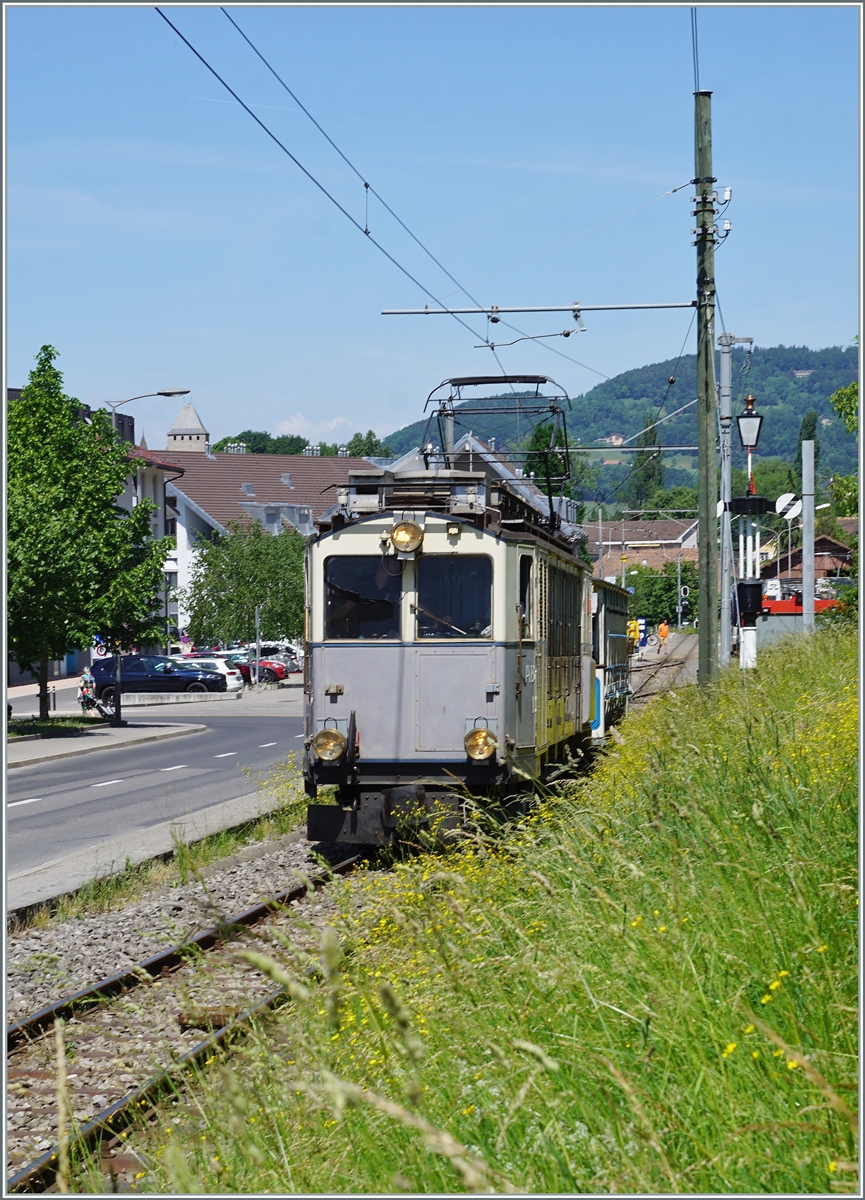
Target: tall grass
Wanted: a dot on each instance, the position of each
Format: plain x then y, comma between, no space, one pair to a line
648,986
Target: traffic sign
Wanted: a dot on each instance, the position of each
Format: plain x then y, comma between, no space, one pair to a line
788,506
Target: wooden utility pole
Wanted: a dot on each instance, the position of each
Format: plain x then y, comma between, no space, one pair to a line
707,454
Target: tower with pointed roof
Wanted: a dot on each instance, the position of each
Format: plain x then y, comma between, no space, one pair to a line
188,433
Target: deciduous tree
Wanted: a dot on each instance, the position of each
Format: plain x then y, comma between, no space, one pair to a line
79,564
238,570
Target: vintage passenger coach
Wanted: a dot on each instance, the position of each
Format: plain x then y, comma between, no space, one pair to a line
449,641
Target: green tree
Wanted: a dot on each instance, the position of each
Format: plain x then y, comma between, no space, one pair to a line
367,445
647,473
655,591
846,404
79,564
808,433
845,488
238,570
583,478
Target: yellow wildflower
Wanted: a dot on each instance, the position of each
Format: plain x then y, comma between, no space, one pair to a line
765,999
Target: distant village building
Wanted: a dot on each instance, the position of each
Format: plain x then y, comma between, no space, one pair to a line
642,543
802,374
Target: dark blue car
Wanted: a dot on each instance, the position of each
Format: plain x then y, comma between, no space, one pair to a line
153,673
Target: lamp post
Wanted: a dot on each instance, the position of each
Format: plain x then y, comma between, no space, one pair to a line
117,719
144,395
749,590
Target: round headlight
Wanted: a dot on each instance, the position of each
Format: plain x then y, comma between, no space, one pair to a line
406,536
329,744
480,744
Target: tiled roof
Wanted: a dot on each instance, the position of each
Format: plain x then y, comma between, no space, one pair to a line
217,483
653,556
849,524
155,460
668,532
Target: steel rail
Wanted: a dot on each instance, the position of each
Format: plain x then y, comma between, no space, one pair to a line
166,960
40,1174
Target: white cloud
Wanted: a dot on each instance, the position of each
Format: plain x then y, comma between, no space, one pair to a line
299,424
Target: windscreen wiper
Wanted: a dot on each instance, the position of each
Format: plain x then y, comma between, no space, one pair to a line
417,608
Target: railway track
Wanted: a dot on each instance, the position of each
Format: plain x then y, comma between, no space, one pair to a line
660,676
130,1037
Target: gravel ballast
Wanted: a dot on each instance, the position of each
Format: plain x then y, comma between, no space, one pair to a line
43,965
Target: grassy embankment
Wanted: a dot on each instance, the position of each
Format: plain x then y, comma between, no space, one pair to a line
648,987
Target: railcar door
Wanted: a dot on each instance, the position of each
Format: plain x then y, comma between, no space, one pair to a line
526,672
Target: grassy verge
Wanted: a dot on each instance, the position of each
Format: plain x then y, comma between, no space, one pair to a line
649,986
113,892
53,727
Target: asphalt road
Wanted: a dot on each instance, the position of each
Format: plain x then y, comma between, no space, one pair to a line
55,809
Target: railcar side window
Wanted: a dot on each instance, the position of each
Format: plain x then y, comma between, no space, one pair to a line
526,594
362,596
454,596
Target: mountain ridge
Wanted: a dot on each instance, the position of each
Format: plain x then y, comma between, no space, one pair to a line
788,381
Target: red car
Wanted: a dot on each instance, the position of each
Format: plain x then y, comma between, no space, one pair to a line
271,669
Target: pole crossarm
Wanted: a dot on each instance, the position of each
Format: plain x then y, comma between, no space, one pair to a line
493,310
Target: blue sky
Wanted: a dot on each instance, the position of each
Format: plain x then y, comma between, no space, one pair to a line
159,239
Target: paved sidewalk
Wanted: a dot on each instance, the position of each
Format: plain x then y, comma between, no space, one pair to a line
38,885
103,737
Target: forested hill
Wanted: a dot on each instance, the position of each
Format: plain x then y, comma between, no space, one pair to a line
787,381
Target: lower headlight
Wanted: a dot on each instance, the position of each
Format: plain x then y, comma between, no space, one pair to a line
480,744
329,744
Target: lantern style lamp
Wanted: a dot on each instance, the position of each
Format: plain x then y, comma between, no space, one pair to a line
749,424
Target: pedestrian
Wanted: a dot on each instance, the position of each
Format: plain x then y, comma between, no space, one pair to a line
663,633
87,692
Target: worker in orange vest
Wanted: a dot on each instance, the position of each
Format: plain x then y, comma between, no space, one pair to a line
663,632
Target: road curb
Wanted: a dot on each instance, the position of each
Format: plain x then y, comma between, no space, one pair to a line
62,877
123,745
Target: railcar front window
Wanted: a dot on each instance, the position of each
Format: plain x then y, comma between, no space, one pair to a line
454,596
362,596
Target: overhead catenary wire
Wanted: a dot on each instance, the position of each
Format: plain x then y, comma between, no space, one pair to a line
573,238
311,177
369,188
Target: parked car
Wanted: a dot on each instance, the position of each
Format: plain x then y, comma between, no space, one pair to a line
272,669
154,673
213,662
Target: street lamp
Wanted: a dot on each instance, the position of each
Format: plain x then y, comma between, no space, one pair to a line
117,719
749,423
168,392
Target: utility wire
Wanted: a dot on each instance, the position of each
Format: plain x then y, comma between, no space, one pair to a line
369,188
573,238
695,50
349,163
311,177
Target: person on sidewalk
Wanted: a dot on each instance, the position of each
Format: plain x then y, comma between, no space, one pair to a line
663,633
87,692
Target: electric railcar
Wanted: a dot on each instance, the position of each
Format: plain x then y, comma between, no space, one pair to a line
451,638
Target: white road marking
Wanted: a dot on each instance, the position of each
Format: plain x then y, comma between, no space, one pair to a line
179,767
297,735
15,803
264,745
227,754
107,782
